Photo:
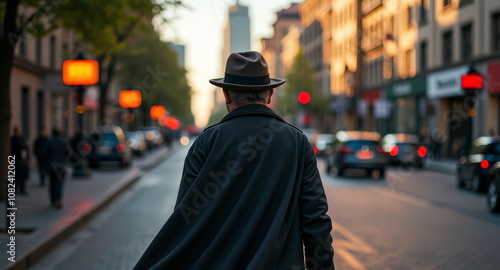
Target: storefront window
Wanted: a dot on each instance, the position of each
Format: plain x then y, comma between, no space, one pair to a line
406,117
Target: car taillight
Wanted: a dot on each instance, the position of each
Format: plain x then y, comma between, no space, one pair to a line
315,150
422,151
484,164
394,150
120,147
86,148
346,150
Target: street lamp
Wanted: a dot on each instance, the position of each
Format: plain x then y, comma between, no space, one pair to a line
471,82
130,99
80,73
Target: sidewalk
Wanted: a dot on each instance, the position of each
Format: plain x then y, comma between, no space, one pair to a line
82,199
446,166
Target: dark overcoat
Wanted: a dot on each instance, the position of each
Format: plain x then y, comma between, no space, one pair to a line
250,198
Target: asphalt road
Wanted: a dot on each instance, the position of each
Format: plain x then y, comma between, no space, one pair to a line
412,219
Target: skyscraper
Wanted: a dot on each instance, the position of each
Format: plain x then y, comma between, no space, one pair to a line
236,31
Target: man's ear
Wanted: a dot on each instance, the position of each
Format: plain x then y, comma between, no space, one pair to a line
270,95
227,96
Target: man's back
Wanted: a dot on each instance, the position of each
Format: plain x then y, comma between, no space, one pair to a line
250,197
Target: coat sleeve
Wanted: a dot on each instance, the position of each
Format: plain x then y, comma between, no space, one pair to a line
315,222
192,166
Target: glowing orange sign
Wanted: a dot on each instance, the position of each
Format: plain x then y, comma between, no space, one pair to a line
130,98
80,72
171,122
157,111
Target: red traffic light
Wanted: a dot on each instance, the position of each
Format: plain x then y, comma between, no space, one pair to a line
304,97
472,81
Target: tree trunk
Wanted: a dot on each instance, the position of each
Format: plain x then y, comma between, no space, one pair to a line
8,42
104,83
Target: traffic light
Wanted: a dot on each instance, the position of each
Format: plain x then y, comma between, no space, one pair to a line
304,97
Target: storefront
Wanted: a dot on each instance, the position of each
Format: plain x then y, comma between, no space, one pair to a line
493,84
444,92
408,105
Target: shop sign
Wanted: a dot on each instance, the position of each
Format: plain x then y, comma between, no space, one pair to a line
446,83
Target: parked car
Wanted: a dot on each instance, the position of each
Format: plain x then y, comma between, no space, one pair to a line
493,192
321,142
404,149
473,170
137,142
356,150
153,136
109,144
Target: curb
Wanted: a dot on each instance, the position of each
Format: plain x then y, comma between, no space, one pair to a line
44,247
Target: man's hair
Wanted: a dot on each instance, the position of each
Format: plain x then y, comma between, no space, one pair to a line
56,132
245,97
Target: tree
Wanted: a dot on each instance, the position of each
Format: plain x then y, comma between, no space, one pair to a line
150,65
106,26
15,23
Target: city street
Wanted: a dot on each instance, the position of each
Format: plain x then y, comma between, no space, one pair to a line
412,220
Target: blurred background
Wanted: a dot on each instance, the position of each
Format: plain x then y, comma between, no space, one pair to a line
406,92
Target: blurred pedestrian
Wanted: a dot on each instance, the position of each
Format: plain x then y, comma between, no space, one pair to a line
19,149
56,151
250,196
38,147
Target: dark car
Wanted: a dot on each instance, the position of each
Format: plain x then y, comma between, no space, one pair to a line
356,150
109,144
321,142
473,170
137,142
493,192
404,149
153,136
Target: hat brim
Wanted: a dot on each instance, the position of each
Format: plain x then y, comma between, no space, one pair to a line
272,84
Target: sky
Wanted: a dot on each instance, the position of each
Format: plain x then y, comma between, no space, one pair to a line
200,28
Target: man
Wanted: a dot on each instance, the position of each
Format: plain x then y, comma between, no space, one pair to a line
250,195
19,149
55,152
38,147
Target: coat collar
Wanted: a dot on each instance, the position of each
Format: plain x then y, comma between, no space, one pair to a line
248,110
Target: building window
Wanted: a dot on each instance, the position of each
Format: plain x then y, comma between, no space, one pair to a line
40,109
408,62
38,52
496,32
423,12
22,46
409,12
52,52
465,2
466,41
447,48
25,110
423,56
447,2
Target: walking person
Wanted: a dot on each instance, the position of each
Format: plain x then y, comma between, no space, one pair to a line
38,147
55,152
250,195
19,149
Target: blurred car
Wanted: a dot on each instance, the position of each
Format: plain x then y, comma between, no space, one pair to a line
493,192
153,136
109,144
321,142
356,150
310,134
137,142
473,170
404,149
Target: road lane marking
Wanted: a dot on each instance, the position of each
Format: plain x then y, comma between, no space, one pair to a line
348,244
403,197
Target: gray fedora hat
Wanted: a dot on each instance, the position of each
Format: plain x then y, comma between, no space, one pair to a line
247,71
